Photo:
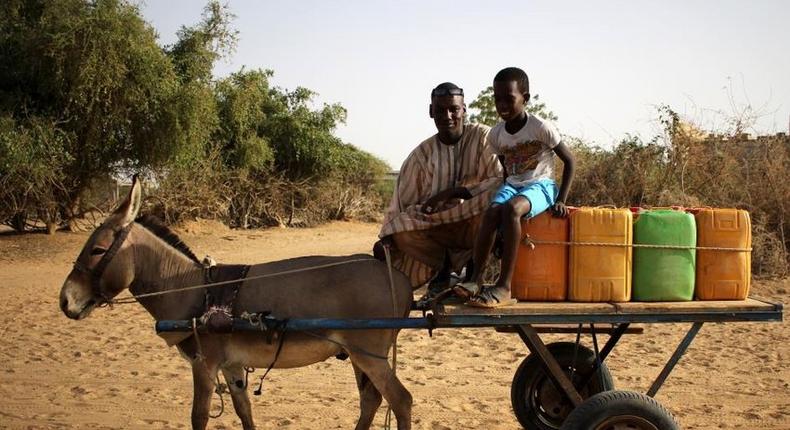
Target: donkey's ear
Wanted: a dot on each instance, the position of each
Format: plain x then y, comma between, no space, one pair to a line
129,208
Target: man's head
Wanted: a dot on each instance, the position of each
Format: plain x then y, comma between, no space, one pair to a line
511,92
448,111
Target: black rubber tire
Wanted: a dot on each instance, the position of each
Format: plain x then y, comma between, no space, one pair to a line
619,409
538,405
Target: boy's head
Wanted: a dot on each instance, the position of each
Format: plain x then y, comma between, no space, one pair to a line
448,110
511,92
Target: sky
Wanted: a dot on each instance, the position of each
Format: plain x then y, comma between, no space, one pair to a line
601,67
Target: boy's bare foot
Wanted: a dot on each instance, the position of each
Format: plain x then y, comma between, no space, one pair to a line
492,297
466,290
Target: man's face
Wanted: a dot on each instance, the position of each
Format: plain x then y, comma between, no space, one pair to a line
509,100
448,114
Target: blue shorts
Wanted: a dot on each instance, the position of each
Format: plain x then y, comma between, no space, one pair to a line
541,195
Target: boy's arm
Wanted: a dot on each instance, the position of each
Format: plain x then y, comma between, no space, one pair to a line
568,170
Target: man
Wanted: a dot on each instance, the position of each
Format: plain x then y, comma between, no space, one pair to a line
443,187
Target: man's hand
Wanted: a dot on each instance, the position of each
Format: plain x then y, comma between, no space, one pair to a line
378,247
560,210
439,200
432,204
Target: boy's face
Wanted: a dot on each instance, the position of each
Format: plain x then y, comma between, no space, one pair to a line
509,100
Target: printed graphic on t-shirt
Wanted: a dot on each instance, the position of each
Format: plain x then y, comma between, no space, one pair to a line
522,157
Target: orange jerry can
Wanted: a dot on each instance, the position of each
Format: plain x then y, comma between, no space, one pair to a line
723,274
541,272
601,273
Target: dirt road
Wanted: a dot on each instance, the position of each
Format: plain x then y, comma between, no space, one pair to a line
112,371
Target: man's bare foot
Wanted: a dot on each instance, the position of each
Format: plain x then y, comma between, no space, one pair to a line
466,290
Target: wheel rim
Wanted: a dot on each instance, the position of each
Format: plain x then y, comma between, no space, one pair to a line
551,407
626,422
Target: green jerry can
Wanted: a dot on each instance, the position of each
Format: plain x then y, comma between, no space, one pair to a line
664,275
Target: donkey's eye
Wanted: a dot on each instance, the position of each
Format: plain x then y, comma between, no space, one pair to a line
98,251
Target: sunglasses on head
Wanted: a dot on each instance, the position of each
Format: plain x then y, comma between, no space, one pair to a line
438,92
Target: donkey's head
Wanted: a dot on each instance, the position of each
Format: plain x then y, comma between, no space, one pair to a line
105,266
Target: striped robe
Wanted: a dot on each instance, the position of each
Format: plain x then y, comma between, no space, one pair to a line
433,167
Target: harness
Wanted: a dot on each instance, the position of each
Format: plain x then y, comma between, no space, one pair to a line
97,272
218,304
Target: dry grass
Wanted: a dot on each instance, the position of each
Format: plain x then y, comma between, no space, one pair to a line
690,168
242,199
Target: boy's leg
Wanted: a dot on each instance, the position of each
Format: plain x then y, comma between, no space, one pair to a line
529,201
483,244
510,219
485,241
516,208
488,226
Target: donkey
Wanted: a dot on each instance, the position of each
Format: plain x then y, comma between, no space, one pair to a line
126,254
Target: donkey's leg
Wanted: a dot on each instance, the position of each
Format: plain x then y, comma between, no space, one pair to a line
235,378
203,376
369,399
385,381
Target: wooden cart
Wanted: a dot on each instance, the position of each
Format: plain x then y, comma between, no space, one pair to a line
562,385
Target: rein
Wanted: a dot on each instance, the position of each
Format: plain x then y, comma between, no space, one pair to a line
135,297
97,272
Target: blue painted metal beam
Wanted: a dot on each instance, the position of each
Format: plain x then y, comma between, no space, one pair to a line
456,321
310,324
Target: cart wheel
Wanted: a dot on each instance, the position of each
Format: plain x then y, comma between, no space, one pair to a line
538,405
620,410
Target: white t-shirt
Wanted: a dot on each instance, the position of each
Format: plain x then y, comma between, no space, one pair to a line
529,155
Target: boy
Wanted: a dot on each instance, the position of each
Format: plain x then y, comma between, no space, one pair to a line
525,143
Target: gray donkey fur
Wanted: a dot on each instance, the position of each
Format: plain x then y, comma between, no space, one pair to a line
357,287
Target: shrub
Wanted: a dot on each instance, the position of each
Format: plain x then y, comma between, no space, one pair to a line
33,185
691,168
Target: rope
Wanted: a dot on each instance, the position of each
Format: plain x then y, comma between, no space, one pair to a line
134,297
388,416
529,241
219,387
276,356
219,390
256,320
200,356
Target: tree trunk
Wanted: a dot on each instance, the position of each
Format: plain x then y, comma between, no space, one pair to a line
19,221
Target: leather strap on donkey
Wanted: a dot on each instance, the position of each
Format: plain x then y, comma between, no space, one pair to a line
96,273
218,311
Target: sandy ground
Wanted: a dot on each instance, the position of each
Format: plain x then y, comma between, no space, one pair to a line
112,371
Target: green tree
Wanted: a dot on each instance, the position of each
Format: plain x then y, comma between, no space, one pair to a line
486,109
94,70
200,46
243,100
194,108
302,138
86,93
264,127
